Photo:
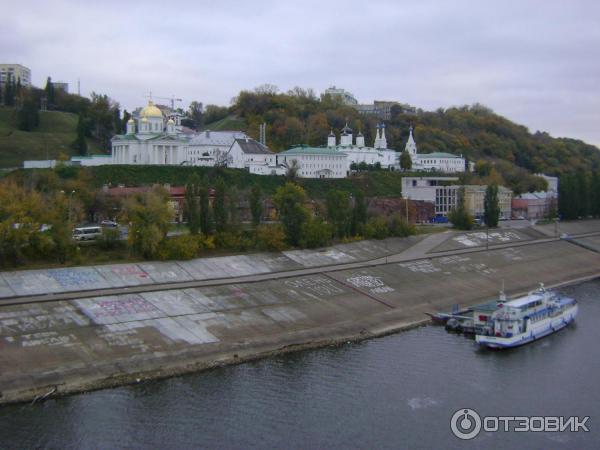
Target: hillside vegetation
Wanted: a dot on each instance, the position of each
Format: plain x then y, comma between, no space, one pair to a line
229,123
476,132
372,184
54,135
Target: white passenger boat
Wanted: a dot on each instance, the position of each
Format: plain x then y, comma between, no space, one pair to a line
525,319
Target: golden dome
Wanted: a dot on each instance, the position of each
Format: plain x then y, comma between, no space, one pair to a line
171,121
151,111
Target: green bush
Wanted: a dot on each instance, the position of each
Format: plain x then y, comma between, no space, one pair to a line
399,227
110,238
270,237
316,233
233,241
376,228
179,247
461,219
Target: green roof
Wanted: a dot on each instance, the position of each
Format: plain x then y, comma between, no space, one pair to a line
153,136
312,151
91,156
126,137
167,137
438,155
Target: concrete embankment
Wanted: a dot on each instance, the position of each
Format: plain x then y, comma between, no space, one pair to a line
106,340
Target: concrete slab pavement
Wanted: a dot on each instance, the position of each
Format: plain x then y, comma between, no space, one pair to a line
92,342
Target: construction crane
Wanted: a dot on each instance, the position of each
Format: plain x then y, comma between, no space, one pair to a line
172,99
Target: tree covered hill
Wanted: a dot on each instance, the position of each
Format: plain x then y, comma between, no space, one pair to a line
47,123
300,117
54,135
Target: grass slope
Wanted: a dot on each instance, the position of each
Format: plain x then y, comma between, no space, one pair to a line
232,123
373,184
55,134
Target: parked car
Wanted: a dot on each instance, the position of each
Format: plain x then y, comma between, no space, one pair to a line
109,224
87,233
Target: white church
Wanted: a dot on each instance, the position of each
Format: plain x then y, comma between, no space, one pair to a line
358,152
152,142
336,159
156,140
433,162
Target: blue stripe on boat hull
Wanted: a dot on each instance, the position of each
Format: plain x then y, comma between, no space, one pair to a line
529,338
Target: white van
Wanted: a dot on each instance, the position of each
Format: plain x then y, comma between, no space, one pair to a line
87,233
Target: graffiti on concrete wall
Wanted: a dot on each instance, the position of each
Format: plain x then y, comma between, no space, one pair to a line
321,286
46,339
35,318
77,278
493,237
423,266
374,285
121,308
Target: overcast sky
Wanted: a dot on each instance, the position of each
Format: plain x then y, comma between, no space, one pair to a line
535,62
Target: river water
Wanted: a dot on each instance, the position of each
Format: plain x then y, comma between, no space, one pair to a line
399,391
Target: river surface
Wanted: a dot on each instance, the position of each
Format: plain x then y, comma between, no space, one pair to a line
399,391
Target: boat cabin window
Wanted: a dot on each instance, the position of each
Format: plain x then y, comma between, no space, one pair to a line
530,305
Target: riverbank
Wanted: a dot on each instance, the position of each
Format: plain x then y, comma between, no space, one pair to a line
67,346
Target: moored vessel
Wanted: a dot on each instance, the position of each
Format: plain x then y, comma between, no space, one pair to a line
526,319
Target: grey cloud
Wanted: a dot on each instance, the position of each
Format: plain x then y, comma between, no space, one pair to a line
533,61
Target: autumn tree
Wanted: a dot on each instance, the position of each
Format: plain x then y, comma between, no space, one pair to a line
33,225
339,212
491,206
459,216
359,214
233,207
149,216
8,96
50,94
206,220
289,201
256,207
196,115
191,205
405,161
220,206
80,143
270,237
28,117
